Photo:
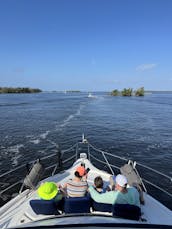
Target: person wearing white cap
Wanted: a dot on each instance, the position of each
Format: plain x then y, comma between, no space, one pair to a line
121,195
121,182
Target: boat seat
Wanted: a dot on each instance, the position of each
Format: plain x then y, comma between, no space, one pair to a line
126,211
77,204
44,207
101,207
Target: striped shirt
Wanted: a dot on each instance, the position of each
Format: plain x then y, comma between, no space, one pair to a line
76,189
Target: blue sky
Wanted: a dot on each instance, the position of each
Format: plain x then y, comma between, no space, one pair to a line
90,45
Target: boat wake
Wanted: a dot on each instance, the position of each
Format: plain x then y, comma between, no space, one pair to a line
58,127
35,141
44,135
31,142
67,120
12,153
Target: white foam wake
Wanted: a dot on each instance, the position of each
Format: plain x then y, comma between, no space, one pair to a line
44,135
14,152
15,148
37,140
71,116
67,120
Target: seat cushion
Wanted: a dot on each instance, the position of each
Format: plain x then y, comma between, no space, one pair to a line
101,207
126,211
77,204
45,207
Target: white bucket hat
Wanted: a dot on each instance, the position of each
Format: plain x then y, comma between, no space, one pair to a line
121,180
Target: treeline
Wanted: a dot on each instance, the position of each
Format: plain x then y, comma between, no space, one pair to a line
19,90
72,91
129,92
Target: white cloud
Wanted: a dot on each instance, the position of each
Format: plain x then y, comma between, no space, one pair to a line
145,67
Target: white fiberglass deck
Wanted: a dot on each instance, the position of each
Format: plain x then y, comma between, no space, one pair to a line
18,211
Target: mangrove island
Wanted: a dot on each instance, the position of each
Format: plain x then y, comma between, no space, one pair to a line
4,90
129,92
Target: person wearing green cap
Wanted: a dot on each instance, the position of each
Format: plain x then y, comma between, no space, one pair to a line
49,191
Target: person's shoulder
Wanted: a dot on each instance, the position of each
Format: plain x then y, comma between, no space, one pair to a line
69,181
83,182
132,189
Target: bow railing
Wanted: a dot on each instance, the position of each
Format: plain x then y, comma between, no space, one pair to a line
64,159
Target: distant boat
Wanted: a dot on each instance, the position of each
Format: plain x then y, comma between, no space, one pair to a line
91,96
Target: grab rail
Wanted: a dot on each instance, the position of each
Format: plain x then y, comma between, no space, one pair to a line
107,163
124,159
90,147
11,186
156,186
156,171
100,151
25,165
103,162
12,170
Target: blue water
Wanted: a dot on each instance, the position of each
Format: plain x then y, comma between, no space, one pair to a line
134,127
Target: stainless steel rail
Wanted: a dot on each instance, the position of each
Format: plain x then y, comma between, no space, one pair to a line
90,147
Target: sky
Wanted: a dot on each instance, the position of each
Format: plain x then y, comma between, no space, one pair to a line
88,45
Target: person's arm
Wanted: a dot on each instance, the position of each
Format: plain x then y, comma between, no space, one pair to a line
64,186
106,198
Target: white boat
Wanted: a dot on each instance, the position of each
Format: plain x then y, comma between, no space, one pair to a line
18,212
91,96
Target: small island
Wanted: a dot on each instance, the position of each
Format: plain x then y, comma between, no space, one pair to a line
129,92
6,90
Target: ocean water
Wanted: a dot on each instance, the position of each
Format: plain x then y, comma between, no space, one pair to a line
138,128
134,127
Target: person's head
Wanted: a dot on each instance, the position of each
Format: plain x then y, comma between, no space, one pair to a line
121,182
82,164
47,190
80,172
98,182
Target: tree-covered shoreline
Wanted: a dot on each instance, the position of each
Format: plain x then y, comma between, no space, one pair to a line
129,92
6,90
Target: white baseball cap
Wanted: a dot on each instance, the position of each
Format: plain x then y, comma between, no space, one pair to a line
121,180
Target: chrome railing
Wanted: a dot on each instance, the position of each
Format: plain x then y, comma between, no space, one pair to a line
136,166
103,160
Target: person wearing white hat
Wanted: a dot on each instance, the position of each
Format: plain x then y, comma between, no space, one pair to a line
121,195
121,182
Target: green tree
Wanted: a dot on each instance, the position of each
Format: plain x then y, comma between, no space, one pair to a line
115,92
140,92
127,92
19,90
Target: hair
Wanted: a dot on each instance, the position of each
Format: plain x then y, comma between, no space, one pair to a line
98,181
77,174
82,164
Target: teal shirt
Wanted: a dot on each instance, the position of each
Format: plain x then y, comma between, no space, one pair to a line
116,197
